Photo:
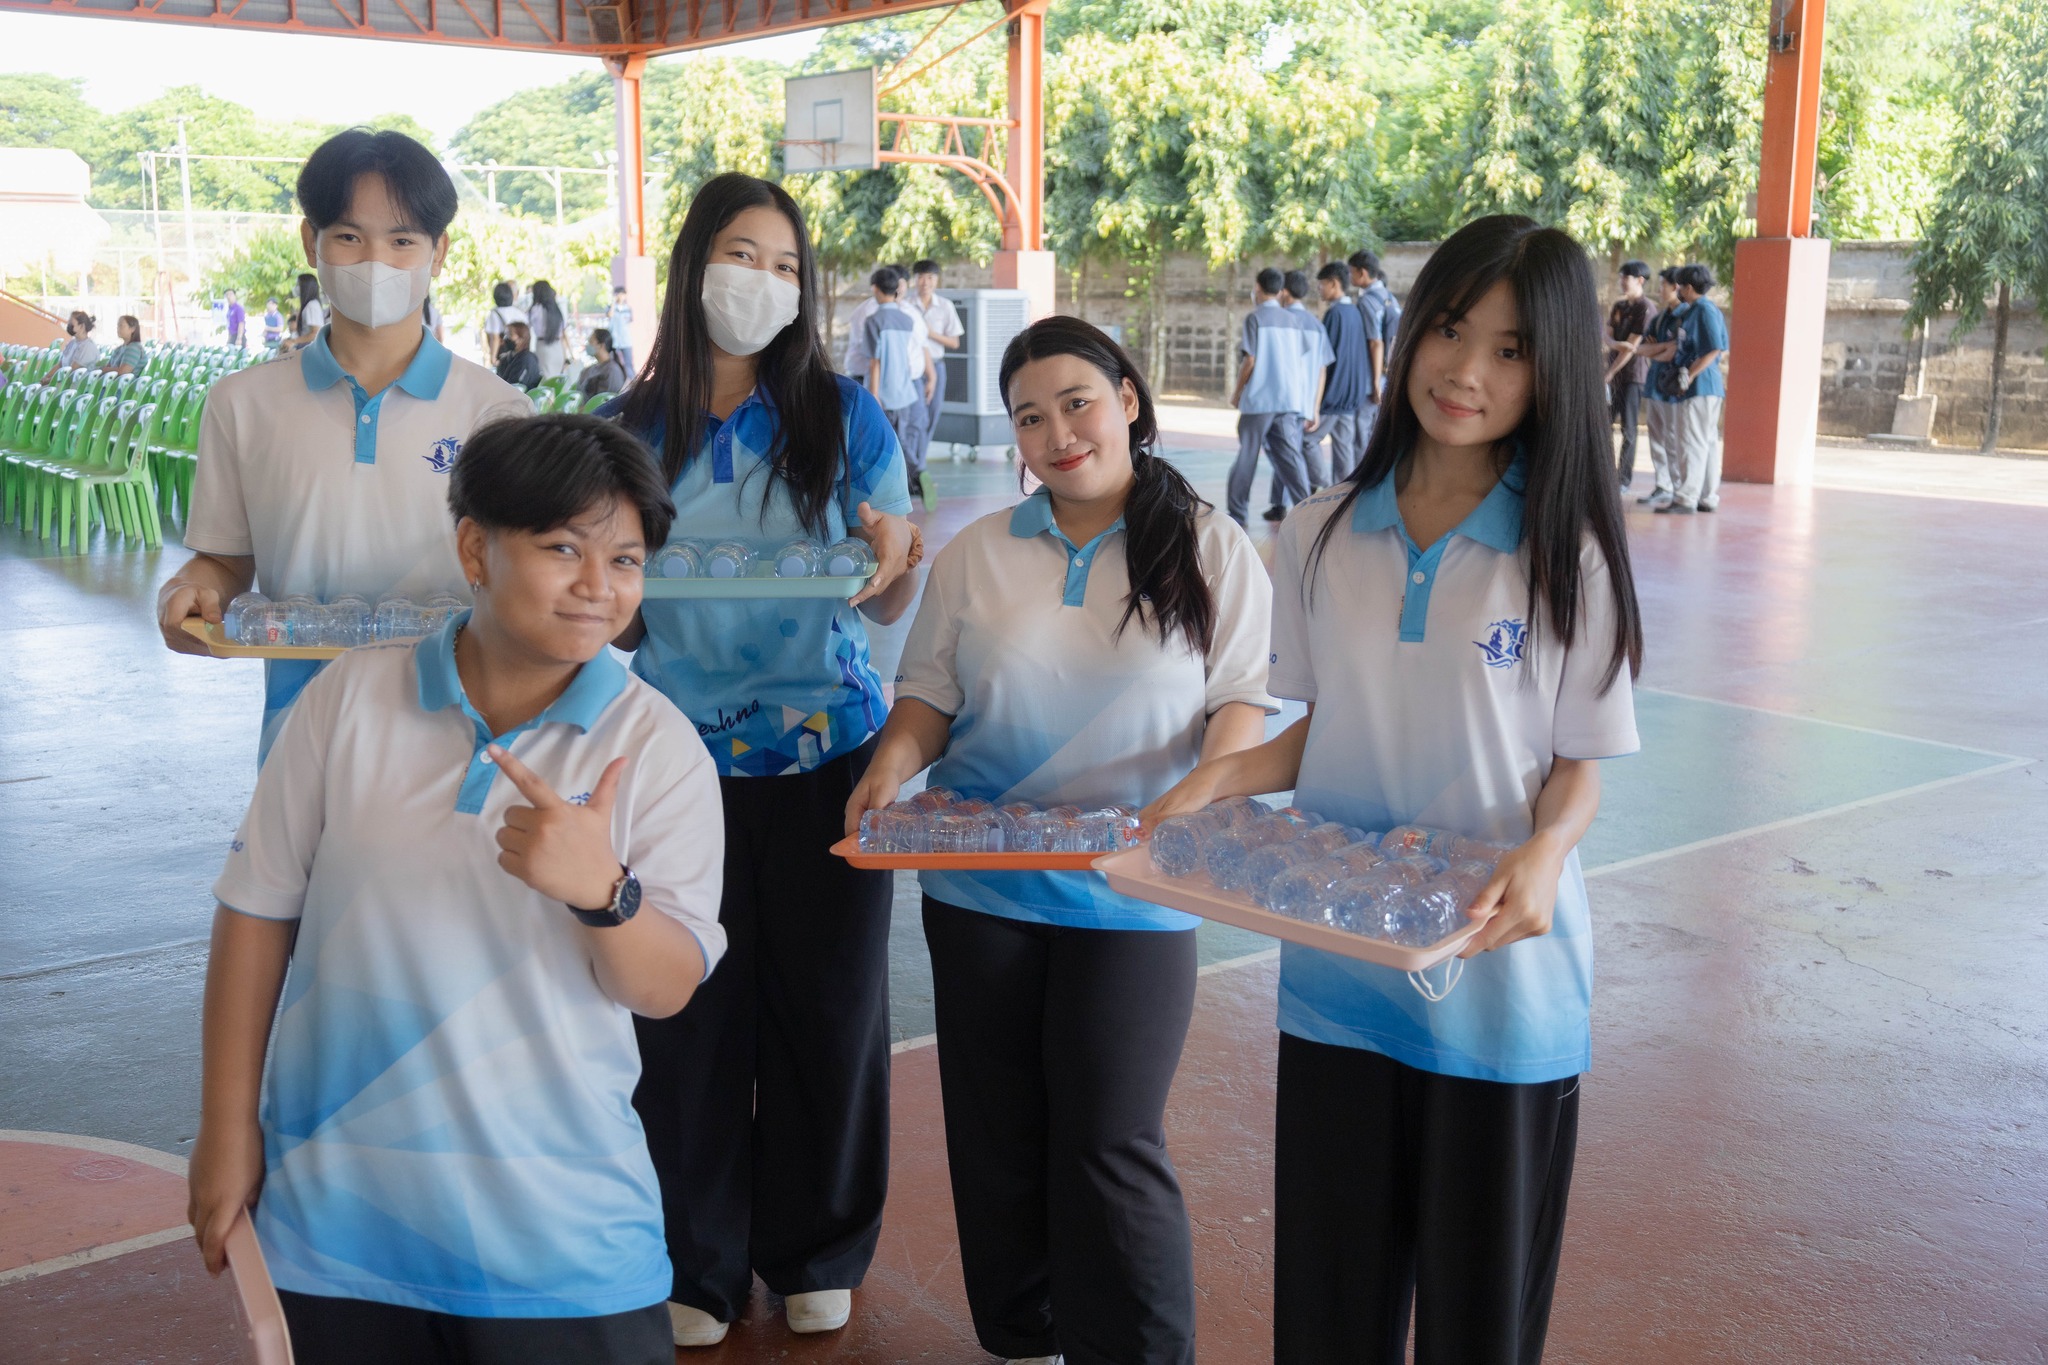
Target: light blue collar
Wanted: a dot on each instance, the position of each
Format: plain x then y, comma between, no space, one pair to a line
1269,303
1033,517
422,379
1495,523
596,685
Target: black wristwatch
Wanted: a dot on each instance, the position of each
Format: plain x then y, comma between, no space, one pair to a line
625,904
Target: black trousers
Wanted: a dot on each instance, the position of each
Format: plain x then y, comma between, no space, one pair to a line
1624,403
1393,1183
766,1101
1056,1050
333,1331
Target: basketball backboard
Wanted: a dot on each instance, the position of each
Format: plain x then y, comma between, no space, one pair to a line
829,122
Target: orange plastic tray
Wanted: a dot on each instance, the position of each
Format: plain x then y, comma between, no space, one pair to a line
1132,873
262,1315
849,849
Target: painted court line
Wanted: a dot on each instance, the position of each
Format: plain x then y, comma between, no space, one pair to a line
1837,724
127,1151
73,1260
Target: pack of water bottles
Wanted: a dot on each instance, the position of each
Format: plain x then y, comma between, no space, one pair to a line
1408,885
799,558
939,820
304,622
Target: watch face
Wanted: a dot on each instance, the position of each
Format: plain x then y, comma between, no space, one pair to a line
628,900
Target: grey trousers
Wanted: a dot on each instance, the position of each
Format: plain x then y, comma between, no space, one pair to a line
1346,433
1667,461
1279,435
1699,423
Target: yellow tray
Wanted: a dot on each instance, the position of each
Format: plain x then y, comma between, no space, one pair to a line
671,589
217,645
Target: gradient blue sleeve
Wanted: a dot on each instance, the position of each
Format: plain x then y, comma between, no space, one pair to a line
875,472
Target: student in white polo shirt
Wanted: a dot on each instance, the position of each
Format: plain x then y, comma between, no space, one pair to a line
1044,667
1460,618
479,854
327,472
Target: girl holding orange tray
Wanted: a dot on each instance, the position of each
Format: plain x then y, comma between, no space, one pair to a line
1458,615
1084,648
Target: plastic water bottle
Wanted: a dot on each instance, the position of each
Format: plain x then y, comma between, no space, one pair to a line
1051,831
398,618
242,622
1406,840
978,832
1476,850
302,621
440,609
729,559
1421,916
931,799
849,558
347,622
1269,862
1105,830
1468,877
1179,843
894,829
1012,818
1302,890
682,559
1354,905
1229,851
801,558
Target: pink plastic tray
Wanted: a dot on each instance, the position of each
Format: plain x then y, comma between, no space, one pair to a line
849,849
1132,873
262,1315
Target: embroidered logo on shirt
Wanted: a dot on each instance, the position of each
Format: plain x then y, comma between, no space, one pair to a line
1503,643
580,799
441,458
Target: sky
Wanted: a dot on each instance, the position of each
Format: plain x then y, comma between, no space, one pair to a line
296,75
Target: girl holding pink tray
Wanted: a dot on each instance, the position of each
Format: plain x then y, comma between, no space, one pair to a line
1084,648
1457,615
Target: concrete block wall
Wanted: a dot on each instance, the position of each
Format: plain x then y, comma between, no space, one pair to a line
1867,359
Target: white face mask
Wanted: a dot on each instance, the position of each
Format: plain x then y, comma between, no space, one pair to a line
744,308
372,293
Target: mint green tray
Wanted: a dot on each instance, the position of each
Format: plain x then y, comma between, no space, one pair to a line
666,589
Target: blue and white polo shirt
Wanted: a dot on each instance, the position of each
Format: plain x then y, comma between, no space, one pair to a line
896,338
1016,639
775,685
1289,349
333,490
447,1118
1439,701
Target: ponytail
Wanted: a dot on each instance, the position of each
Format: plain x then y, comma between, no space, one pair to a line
1162,513
1162,547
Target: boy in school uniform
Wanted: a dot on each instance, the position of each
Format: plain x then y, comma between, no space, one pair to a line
900,373
1277,351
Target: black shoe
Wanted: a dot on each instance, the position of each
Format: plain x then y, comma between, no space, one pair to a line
1706,507
1276,513
1652,496
1677,507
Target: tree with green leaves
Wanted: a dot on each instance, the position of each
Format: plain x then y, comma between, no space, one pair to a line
1522,136
266,265
1989,230
1626,79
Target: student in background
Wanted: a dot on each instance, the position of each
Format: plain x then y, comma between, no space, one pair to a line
430,318
273,325
605,373
1294,291
1628,322
517,364
767,1101
547,324
1062,1006
1274,353
312,313
237,321
80,351
126,358
1703,392
1347,379
327,472
504,312
478,855
942,334
1381,313
1424,1142
1660,348
901,373
619,321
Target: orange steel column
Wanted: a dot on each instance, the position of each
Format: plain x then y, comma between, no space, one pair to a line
1023,262
1781,274
632,267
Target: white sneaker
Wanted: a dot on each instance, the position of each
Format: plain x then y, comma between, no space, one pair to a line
821,1310
1041,1360
694,1326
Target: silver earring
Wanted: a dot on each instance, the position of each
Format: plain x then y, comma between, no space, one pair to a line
475,586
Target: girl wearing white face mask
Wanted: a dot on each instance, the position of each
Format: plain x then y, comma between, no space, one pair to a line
327,472
766,1103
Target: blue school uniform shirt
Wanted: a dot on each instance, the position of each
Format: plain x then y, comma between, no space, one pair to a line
774,685
1349,383
1706,330
1287,347
892,339
1439,701
1016,640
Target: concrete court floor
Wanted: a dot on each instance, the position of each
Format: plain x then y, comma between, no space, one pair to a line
1813,1129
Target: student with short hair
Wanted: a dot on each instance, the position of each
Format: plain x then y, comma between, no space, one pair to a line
901,372
273,325
1702,393
237,322
517,364
1294,293
326,472
1461,621
497,323
1659,348
1628,323
1084,647
767,1102
619,321
943,333
1347,378
1381,312
1275,351
478,856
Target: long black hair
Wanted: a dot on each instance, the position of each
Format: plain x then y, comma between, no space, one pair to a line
544,299
674,386
1571,488
309,288
1162,511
